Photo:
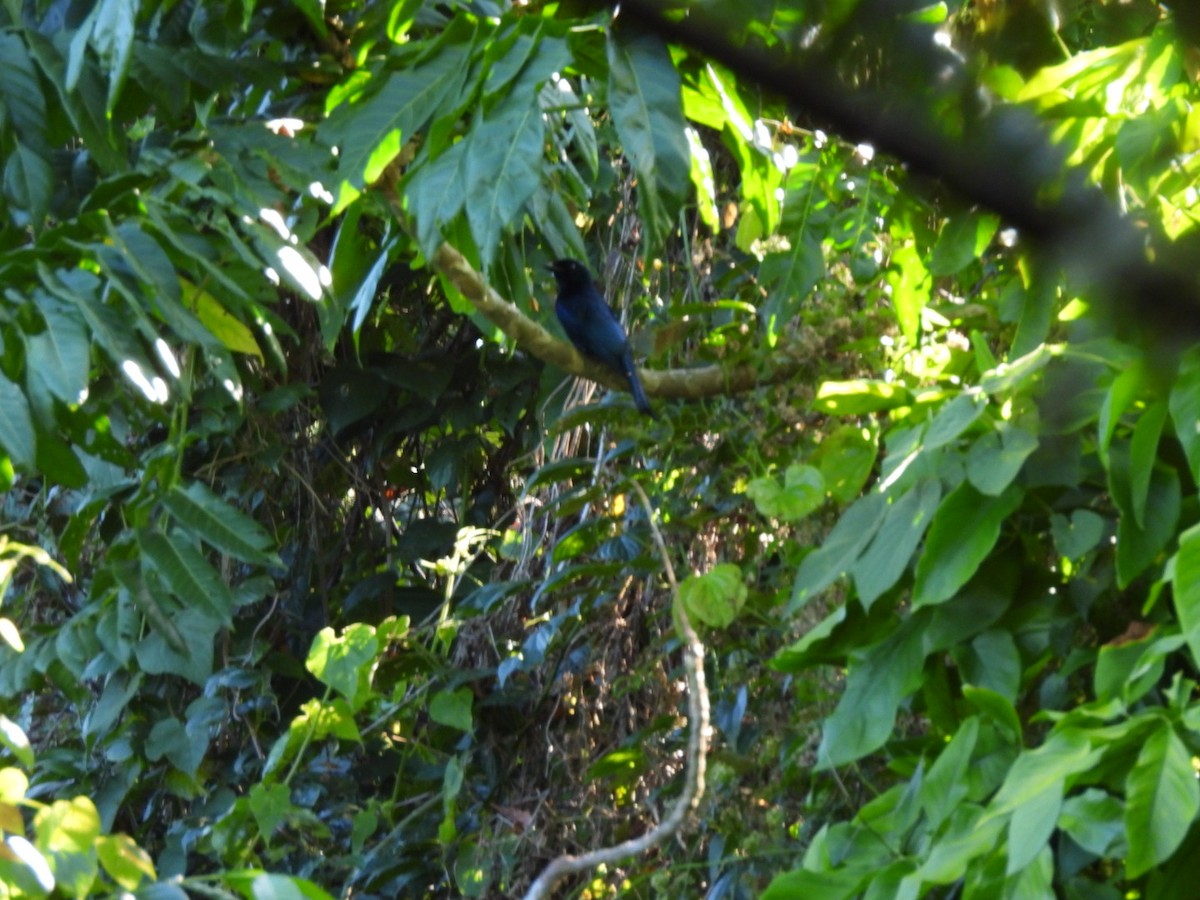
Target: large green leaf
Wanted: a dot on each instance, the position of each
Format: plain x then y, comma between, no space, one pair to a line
1162,800
1187,589
187,573
840,549
370,133
16,425
21,93
892,548
875,684
963,532
219,524
502,167
647,109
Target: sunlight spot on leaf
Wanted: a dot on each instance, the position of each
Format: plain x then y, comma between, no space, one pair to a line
275,220
306,277
155,390
167,357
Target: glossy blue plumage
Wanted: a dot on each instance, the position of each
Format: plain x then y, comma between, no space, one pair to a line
591,325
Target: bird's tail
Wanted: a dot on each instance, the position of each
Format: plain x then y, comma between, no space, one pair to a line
635,387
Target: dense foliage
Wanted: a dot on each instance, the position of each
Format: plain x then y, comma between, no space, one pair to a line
318,577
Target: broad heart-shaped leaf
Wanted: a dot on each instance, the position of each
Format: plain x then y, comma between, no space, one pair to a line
220,525
187,573
452,708
802,492
16,426
963,532
1187,589
345,662
715,597
647,109
903,526
1162,800
503,165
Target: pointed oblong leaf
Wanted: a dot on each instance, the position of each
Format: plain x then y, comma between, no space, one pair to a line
187,573
645,99
503,165
1162,800
220,525
16,426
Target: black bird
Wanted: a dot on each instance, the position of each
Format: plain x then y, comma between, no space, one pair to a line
591,325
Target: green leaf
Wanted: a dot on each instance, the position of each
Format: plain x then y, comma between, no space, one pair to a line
953,419
716,597
963,532
1184,403
370,133
961,241
1032,824
225,327
1138,548
878,679
788,277
125,862
846,458
1095,821
193,660
946,785
13,739
20,92
345,662
841,548
996,458
184,747
1143,456
28,186
502,168
453,708
60,355
1162,799
910,284
1066,752
270,804
187,573
854,398
839,884
904,525
802,492
1187,589
1074,538
112,38
16,426
220,525
647,110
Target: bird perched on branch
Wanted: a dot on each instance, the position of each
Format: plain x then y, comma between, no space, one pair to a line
592,326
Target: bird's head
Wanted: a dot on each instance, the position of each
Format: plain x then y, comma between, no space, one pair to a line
570,273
